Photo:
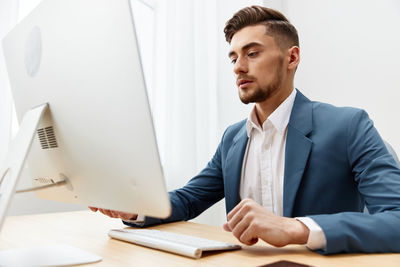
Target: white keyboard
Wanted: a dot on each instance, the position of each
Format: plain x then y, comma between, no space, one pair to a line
185,245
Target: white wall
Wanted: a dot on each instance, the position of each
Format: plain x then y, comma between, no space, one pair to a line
350,57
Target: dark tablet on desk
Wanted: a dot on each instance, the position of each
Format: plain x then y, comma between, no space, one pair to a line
285,264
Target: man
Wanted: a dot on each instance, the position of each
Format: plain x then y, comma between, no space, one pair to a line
296,171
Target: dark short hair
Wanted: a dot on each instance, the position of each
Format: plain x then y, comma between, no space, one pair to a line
277,25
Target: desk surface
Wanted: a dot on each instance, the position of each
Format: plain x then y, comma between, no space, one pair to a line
88,231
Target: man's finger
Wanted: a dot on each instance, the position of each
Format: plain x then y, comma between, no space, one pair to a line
248,237
127,216
106,212
241,226
236,208
234,221
226,227
114,214
93,209
242,211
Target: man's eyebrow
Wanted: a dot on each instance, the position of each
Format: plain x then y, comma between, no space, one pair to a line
244,48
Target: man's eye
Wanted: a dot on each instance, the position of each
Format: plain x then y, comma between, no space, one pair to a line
252,54
233,61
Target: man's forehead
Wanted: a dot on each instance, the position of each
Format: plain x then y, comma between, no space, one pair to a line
246,47
248,37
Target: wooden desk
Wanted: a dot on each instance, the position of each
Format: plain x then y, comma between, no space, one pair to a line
88,231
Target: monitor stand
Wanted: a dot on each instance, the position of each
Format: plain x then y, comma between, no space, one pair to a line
10,171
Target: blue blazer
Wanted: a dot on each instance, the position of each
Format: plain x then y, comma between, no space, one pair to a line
335,164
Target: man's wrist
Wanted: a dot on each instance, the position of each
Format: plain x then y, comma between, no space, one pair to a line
299,232
316,238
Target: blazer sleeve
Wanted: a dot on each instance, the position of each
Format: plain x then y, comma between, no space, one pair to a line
200,193
377,176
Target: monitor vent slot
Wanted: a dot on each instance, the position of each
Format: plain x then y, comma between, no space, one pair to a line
47,138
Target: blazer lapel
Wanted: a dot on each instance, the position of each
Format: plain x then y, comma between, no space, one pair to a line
298,147
234,162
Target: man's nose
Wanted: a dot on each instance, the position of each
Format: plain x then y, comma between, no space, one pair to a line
240,66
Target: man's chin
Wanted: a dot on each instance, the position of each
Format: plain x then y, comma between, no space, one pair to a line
246,98
245,101
254,97
250,99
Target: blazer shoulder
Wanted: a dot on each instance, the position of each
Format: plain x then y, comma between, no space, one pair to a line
234,129
329,111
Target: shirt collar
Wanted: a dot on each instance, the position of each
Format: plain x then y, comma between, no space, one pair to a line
279,118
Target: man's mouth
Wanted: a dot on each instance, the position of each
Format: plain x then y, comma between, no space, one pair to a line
243,83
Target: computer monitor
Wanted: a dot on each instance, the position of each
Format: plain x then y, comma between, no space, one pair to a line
79,62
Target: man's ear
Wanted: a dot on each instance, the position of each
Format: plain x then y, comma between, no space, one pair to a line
294,57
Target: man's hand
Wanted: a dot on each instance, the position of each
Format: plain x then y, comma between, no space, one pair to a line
116,214
249,221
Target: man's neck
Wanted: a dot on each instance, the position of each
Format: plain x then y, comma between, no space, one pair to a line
266,108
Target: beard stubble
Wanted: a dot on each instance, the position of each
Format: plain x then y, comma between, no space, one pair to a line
261,94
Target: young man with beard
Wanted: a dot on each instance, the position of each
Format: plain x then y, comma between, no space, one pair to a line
296,171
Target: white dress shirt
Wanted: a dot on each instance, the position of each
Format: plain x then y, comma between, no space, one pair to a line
264,163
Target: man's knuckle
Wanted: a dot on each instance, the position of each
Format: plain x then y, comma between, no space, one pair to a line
246,207
255,225
251,215
236,233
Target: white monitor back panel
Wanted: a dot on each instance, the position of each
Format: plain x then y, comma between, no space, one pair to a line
81,57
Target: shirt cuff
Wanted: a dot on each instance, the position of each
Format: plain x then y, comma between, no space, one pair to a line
316,239
139,220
